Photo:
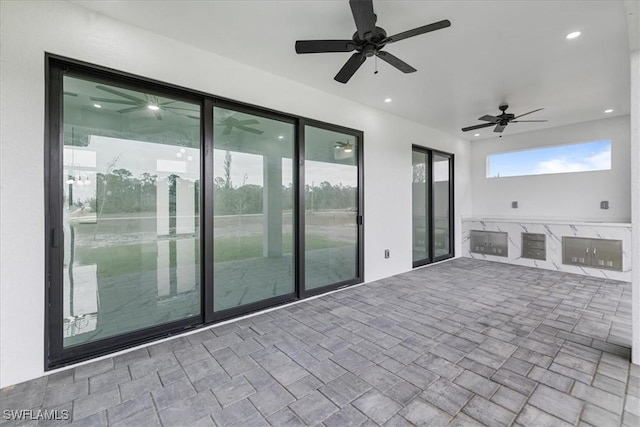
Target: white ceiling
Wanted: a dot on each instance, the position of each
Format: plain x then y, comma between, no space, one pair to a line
494,52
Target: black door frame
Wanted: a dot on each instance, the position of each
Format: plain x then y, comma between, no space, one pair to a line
55,68
430,208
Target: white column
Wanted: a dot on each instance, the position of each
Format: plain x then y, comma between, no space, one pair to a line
272,203
162,206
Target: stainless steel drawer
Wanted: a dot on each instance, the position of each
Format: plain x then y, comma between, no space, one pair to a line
540,254
534,236
533,244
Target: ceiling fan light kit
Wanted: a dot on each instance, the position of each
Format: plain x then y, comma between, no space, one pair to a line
367,41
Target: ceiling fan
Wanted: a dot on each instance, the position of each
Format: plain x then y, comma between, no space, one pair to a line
231,123
137,104
502,120
346,146
368,41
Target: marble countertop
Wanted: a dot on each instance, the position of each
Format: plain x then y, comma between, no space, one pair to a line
549,221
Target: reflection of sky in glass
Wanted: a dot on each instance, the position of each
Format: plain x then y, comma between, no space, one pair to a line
588,156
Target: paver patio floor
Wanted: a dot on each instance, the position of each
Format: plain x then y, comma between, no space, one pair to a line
464,342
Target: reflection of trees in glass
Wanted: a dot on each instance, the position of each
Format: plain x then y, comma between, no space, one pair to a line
419,174
248,198
120,191
327,196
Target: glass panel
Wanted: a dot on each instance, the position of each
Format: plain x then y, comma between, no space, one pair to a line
253,208
583,157
331,207
131,210
441,229
420,206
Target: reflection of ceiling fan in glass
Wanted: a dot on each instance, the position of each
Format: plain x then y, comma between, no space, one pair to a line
136,103
347,147
231,123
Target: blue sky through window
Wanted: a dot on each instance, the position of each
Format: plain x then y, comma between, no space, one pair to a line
586,156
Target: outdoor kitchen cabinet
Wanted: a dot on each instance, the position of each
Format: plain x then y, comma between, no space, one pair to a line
489,242
534,246
595,253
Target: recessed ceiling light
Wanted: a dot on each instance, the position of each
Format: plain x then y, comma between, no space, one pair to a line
477,134
153,107
610,110
280,137
97,105
387,100
573,35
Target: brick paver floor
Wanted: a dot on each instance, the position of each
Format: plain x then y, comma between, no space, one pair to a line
464,342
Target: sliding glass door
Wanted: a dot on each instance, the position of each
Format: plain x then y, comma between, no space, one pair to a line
432,206
169,209
253,207
442,205
331,207
421,202
128,240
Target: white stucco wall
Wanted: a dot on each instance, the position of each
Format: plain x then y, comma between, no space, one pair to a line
567,196
29,29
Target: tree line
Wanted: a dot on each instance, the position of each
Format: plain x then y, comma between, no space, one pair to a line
118,191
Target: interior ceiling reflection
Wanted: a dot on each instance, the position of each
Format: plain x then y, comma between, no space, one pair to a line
91,107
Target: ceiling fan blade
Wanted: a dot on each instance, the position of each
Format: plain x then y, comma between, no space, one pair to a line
350,67
122,94
113,101
70,94
251,130
417,31
484,125
194,117
132,109
396,62
488,118
248,122
528,121
499,128
321,46
166,107
528,113
364,17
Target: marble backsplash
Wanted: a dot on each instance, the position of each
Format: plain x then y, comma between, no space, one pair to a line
554,230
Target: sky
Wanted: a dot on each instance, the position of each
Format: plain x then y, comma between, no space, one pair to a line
587,156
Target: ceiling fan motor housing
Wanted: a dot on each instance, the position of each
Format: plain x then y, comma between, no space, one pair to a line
372,43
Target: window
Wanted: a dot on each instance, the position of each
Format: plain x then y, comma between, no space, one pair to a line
583,157
169,209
